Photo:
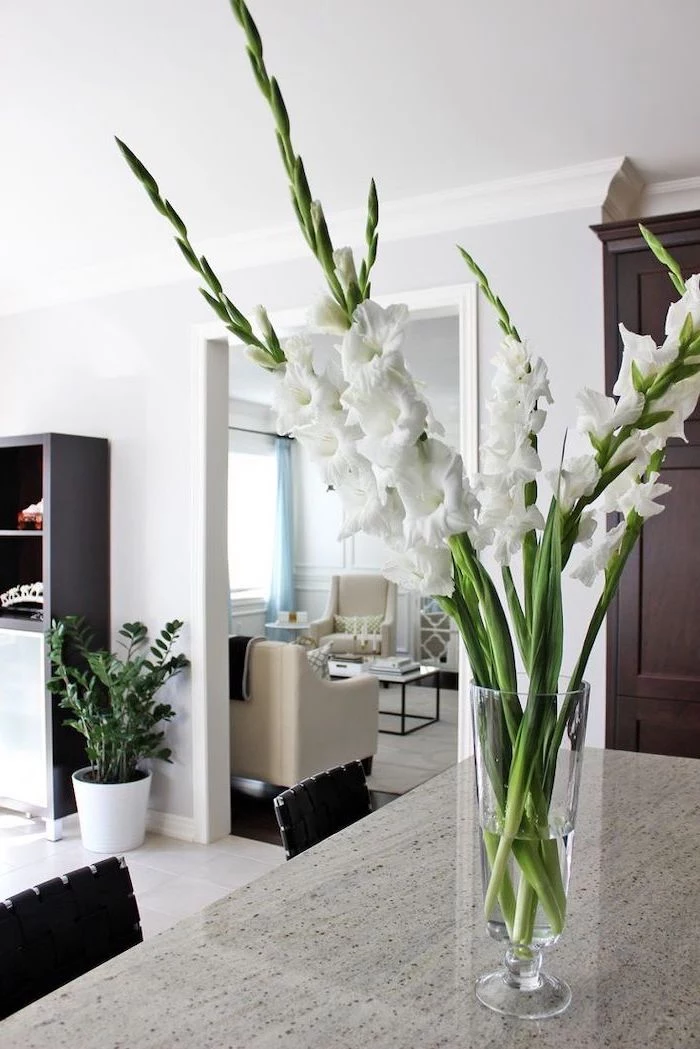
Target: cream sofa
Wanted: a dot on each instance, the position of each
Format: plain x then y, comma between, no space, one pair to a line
358,594
295,724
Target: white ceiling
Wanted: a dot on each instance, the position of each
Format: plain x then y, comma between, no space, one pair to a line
422,96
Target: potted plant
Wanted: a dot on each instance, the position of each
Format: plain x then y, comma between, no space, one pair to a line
113,703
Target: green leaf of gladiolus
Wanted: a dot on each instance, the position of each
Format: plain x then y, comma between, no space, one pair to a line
188,253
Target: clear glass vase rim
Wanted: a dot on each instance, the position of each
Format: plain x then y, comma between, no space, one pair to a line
523,693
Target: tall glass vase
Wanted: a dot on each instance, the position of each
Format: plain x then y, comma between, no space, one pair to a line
528,752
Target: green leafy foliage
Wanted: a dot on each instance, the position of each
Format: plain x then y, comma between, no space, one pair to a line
112,698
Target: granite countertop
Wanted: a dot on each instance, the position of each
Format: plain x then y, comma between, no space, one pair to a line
374,938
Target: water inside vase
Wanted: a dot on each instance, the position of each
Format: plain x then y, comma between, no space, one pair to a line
542,933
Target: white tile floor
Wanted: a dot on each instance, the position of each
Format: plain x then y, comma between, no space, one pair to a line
171,878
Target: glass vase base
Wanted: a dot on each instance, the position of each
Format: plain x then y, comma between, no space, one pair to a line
549,996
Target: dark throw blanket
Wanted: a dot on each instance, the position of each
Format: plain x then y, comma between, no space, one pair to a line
239,649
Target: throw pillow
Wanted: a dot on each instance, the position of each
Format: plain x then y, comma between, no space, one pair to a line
357,625
318,661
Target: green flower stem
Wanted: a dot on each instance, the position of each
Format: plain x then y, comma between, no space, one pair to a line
525,911
499,869
517,614
506,895
612,578
537,876
479,657
225,310
504,320
309,213
549,849
665,258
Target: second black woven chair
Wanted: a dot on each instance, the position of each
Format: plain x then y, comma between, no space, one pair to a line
62,928
321,805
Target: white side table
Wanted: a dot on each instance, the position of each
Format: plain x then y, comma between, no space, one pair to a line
293,628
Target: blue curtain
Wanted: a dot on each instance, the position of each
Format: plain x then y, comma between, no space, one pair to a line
282,582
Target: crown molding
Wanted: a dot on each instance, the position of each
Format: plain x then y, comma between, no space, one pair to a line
675,195
607,184
624,192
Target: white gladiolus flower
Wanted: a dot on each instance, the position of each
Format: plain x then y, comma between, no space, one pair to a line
426,569
642,497
299,350
505,516
345,267
436,494
647,356
519,464
635,450
520,377
262,321
537,420
577,477
364,508
302,397
332,445
383,399
261,357
587,526
599,415
327,316
599,557
617,489
374,331
689,303
381,328
680,400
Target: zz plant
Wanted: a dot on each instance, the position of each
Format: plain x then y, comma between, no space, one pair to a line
112,698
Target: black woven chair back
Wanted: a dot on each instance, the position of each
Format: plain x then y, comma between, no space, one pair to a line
321,805
62,928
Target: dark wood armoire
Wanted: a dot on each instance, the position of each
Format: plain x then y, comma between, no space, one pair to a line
653,644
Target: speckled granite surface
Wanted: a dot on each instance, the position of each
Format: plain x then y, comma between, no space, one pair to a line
374,938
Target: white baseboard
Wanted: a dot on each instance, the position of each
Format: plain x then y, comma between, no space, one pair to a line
170,825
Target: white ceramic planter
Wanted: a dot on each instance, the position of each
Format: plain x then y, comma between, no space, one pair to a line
112,815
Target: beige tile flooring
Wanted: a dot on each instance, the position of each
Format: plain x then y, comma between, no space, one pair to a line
171,878
402,762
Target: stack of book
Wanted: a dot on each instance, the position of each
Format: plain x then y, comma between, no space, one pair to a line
393,665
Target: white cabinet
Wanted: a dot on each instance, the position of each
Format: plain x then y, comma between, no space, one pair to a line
25,763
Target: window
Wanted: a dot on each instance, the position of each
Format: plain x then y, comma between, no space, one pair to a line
252,497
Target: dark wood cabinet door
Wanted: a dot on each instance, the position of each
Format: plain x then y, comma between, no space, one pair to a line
653,683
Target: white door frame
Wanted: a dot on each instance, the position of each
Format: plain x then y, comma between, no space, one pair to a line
209,576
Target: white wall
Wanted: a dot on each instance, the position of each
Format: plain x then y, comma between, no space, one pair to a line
120,367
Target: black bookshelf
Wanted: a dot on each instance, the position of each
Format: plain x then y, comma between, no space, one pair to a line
69,555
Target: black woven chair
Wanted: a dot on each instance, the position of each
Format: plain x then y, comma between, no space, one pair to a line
321,805
58,930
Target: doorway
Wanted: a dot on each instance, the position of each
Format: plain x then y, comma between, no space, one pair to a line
454,306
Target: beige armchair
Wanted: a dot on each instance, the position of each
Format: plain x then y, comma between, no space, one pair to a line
358,596
295,724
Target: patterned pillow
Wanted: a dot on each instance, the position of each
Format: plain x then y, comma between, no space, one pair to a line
318,660
357,625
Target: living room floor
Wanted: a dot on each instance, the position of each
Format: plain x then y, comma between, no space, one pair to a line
402,762
171,878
